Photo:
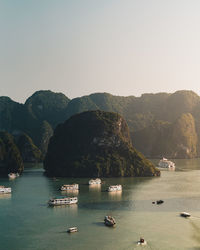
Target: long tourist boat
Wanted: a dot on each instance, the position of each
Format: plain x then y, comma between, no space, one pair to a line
5,190
63,201
71,187
165,163
115,188
94,181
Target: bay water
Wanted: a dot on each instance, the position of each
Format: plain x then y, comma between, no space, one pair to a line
27,222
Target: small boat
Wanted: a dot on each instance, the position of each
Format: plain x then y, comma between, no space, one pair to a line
165,163
5,190
109,221
13,175
69,187
72,230
142,242
94,181
63,201
115,188
159,202
184,214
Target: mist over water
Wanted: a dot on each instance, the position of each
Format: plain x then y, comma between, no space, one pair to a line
28,223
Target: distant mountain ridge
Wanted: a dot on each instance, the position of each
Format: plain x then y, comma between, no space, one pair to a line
155,120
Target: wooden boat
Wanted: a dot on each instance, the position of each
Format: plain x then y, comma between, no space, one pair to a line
109,221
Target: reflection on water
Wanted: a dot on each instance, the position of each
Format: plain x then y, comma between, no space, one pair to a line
95,187
69,210
69,192
115,196
5,196
167,169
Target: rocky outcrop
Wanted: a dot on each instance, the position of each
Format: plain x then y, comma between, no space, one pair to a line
172,140
29,152
10,158
95,143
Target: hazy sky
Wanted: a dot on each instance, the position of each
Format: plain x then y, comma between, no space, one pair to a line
78,47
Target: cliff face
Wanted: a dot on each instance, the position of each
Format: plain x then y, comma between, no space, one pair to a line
95,143
29,152
10,158
172,140
184,137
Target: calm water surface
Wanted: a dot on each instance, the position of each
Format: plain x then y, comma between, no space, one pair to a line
28,223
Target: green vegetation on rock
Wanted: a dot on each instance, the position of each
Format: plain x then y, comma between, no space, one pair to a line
49,106
95,143
29,152
10,158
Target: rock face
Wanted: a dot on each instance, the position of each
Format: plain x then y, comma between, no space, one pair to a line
10,158
47,105
29,152
172,140
95,144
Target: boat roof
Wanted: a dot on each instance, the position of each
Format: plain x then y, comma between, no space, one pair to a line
61,197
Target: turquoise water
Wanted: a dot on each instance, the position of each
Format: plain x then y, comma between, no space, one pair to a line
28,223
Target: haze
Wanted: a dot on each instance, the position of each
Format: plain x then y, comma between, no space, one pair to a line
80,47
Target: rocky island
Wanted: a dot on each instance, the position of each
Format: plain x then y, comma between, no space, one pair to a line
95,144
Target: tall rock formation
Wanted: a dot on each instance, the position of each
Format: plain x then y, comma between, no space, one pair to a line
95,143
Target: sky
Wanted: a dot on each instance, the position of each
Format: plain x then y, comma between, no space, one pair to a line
79,47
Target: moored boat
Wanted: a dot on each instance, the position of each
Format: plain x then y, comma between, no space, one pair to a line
13,175
159,202
63,201
5,190
68,187
72,229
142,242
185,214
109,221
94,181
165,163
115,188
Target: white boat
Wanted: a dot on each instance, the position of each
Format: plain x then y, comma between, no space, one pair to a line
71,187
115,188
5,190
63,201
165,163
72,230
13,175
94,181
109,221
185,214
